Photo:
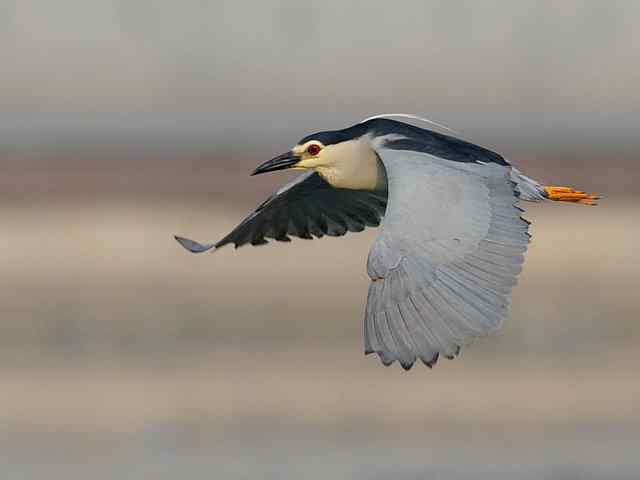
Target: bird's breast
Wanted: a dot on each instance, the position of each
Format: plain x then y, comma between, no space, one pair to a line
365,173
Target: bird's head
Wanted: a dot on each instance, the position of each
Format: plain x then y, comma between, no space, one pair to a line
305,155
345,158
316,151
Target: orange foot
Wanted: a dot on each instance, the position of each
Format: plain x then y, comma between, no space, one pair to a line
568,194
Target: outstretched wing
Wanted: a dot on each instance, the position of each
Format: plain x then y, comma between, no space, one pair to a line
307,207
446,260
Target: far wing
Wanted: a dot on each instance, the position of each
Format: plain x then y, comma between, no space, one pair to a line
444,264
307,207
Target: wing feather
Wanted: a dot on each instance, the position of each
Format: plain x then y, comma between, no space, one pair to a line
443,266
308,207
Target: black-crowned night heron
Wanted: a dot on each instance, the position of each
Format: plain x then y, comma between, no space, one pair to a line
452,240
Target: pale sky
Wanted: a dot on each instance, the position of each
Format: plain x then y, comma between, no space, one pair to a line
239,72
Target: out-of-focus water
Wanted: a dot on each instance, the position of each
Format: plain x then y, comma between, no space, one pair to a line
124,357
273,454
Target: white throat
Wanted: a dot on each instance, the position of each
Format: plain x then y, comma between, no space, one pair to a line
353,164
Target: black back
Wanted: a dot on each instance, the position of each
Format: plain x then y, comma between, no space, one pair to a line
417,139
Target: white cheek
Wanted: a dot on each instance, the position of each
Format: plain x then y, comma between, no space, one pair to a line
328,158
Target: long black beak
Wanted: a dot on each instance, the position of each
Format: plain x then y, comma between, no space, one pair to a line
286,160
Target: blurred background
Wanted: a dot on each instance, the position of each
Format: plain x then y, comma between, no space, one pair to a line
123,122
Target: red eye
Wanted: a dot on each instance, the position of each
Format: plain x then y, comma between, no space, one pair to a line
313,149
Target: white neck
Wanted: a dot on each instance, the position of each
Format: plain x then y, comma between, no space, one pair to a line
352,164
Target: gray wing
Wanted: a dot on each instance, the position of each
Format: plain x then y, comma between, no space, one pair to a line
307,207
446,260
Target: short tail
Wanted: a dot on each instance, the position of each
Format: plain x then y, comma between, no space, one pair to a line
568,194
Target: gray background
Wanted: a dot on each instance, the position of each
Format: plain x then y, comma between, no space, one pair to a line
124,122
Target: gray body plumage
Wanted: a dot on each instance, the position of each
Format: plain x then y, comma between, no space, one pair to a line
450,248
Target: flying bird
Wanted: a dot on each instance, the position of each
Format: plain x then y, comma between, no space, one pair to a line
452,241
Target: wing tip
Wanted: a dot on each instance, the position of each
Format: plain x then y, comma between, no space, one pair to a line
388,360
193,246
431,362
407,365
